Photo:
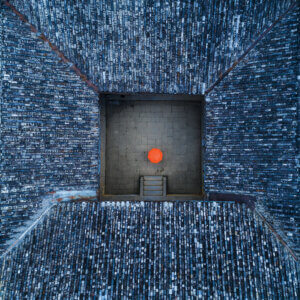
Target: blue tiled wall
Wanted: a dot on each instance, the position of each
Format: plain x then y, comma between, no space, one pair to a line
173,46
148,46
150,250
251,126
49,125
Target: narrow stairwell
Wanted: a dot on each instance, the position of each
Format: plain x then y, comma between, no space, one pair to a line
153,186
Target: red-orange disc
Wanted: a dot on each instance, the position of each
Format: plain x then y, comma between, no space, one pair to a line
155,155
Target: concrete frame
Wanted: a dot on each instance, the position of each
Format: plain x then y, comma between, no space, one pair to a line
103,98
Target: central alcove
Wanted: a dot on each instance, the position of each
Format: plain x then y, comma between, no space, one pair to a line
134,124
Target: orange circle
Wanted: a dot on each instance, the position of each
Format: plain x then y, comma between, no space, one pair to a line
155,155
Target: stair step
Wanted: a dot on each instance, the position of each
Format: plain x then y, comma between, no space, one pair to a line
153,188
152,177
153,193
153,182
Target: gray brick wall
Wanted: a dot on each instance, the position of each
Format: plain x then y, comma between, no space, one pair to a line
251,125
49,125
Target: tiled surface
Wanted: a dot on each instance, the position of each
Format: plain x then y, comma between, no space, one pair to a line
253,127
49,126
191,250
135,127
128,47
171,46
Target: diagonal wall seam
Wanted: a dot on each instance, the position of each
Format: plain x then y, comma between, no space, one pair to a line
54,48
281,237
277,232
48,202
252,46
84,78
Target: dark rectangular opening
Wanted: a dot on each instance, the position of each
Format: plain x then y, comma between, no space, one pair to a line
133,124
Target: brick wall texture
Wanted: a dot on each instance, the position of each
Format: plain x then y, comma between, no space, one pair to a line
251,126
49,118
49,125
173,46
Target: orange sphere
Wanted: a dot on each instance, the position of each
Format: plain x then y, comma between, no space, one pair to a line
155,155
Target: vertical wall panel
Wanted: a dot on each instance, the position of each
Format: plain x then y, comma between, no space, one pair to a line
252,118
49,125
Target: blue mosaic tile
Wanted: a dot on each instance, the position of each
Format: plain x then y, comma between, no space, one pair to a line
49,126
151,45
252,128
49,118
150,250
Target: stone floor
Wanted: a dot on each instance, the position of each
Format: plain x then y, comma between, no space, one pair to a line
135,127
148,250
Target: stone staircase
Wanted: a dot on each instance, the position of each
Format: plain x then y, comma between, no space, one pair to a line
153,186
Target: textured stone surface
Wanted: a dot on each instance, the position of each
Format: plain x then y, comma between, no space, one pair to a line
252,119
152,250
49,125
135,127
152,45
